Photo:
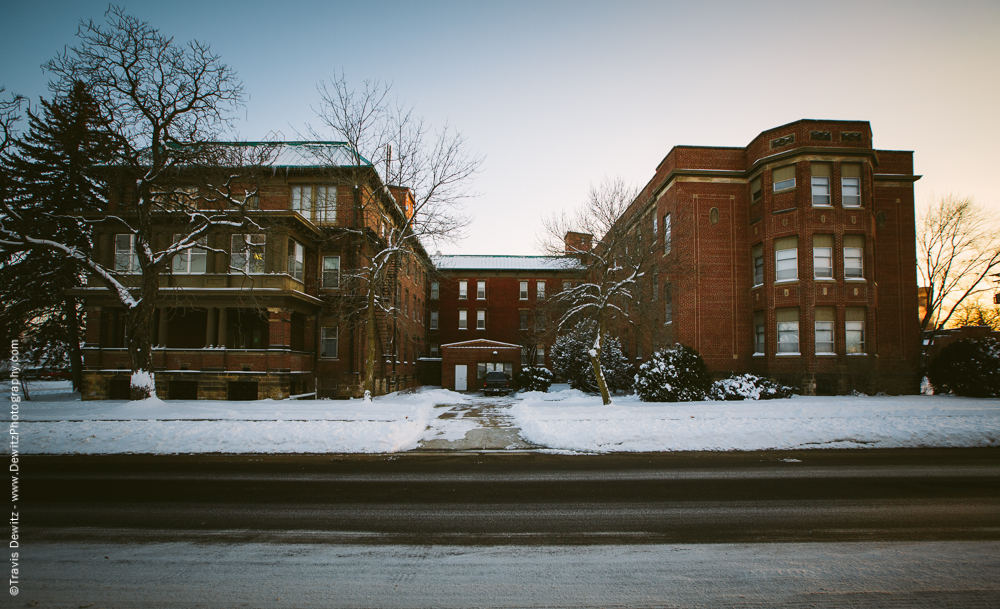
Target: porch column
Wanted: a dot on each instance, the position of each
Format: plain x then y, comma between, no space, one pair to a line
279,327
211,330
223,324
161,335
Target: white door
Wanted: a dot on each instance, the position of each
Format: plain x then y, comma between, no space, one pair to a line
461,377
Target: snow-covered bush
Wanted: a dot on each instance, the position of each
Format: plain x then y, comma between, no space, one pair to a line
571,360
531,378
969,367
748,387
677,374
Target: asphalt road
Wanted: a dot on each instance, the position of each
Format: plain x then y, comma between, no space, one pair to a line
517,498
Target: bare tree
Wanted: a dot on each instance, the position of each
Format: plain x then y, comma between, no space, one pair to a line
977,314
163,102
409,185
617,256
958,248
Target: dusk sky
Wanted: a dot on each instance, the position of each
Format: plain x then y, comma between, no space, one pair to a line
558,95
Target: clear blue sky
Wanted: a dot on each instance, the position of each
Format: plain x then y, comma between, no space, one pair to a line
558,95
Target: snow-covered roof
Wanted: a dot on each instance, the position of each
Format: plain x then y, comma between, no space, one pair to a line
508,263
314,154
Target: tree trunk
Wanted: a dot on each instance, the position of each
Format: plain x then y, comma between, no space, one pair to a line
73,338
595,361
138,334
371,336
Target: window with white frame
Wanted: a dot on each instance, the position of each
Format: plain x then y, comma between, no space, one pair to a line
523,290
540,290
541,321
783,178
434,350
247,253
540,355
666,234
480,290
823,256
434,320
760,333
656,233
463,290
126,258
786,259
193,260
480,319
755,190
668,306
524,356
326,204
825,318
758,264
435,290
821,184
463,319
788,330
328,341
854,330
854,249
524,319
850,185
331,272
296,259
302,200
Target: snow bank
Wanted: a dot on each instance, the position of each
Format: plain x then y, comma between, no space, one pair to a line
574,421
391,423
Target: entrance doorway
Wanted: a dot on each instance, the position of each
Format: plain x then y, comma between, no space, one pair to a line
461,377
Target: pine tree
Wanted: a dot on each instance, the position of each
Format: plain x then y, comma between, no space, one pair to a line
53,171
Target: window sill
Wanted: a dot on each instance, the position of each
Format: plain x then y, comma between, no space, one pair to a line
855,280
758,355
667,323
822,206
825,279
850,354
789,189
323,358
825,354
786,281
788,354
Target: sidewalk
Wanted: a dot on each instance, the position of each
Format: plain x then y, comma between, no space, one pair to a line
483,424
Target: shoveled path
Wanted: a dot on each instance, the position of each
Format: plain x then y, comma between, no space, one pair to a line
481,425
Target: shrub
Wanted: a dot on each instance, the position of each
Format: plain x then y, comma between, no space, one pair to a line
969,367
748,387
571,360
677,374
534,379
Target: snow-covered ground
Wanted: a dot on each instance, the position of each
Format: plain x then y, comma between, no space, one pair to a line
573,420
56,421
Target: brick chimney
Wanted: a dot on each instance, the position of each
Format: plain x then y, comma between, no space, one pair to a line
577,242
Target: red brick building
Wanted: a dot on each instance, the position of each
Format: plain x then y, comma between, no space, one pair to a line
273,313
791,257
493,313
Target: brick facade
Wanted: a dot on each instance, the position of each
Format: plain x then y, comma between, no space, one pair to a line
286,327
717,221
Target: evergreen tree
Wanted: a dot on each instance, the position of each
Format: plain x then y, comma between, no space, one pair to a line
571,360
52,171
